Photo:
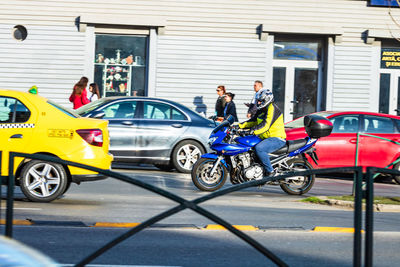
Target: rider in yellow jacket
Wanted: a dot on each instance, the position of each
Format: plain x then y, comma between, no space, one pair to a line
267,124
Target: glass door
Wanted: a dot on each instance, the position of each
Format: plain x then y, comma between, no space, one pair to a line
389,94
296,87
297,76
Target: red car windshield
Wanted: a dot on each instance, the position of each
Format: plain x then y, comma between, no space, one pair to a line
299,122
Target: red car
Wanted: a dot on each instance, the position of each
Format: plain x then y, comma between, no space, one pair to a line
339,148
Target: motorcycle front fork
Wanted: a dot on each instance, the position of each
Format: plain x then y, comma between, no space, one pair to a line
214,168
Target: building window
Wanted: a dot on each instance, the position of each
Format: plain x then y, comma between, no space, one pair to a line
121,65
297,50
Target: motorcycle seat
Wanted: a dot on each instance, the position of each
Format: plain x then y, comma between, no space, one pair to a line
291,145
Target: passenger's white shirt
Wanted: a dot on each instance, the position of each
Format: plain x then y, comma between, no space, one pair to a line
93,97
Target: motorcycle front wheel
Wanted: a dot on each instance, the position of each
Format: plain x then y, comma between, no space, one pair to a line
201,175
298,185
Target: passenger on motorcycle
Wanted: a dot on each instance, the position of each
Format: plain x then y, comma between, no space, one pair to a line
267,124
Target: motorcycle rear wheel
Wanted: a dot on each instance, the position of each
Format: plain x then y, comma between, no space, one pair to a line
298,185
201,175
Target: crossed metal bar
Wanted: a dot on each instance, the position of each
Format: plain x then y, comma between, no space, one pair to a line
194,205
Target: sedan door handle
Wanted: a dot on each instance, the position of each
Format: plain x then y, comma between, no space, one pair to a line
16,136
177,125
127,122
353,141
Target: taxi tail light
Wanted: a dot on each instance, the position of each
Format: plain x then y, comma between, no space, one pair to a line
92,136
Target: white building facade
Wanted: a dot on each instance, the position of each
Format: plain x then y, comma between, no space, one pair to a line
315,54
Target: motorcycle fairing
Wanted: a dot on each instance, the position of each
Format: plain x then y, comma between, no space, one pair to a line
303,149
230,149
250,140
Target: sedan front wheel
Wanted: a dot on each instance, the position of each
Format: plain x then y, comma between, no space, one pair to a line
43,181
185,155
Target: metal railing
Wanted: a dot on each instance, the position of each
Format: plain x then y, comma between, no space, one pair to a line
194,205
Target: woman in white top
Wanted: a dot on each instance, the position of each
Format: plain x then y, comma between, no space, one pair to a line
94,92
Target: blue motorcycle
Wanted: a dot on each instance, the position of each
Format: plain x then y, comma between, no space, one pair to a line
235,155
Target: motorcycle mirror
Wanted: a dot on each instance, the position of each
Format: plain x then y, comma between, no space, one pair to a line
230,119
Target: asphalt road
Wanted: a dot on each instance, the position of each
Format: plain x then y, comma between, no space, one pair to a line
188,247
268,207
63,229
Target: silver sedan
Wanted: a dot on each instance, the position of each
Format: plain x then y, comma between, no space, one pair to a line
152,130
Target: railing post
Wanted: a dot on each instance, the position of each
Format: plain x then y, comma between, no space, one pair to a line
369,213
10,196
357,217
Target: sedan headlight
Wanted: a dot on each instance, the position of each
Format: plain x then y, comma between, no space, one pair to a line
212,140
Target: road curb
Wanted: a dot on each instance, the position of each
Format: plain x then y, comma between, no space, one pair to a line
210,227
350,204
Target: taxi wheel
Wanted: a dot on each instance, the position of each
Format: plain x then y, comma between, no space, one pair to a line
185,155
43,181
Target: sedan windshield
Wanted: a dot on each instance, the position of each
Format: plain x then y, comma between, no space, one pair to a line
299,122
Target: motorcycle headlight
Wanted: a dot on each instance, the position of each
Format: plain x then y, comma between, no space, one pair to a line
212,140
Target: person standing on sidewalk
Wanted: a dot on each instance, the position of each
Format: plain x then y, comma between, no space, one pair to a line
220,103
79,94
258,88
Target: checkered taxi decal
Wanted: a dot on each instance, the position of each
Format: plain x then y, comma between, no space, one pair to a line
16,125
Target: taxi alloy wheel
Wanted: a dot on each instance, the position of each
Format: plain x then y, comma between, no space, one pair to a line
43,181
185,155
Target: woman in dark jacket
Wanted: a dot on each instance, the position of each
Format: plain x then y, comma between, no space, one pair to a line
220,104
230,108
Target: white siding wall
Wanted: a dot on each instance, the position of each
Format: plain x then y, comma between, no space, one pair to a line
206,43
352,78
50,58
189,69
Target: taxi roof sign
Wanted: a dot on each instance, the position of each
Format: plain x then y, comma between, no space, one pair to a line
33,90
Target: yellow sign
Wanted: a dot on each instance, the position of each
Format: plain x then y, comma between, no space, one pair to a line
390,58
62,133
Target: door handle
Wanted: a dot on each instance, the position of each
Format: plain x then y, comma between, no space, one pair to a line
16,136
294,101
177,125
127,122
353,141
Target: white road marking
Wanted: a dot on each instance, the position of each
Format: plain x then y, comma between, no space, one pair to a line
28,208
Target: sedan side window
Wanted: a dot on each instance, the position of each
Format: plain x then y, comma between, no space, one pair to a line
161,111
13,111
345,124
374,124
120,110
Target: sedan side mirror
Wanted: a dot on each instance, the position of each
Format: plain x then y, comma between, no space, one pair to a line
98,114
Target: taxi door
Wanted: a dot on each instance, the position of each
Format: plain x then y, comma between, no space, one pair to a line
16,127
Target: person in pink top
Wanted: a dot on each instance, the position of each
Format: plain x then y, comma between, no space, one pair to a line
79,93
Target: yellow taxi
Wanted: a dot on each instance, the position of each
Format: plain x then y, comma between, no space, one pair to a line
32,124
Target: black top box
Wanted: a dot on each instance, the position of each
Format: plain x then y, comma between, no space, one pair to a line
317,126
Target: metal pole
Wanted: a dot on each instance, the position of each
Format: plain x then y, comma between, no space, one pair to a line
355,164
10,196
357,218
369,214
